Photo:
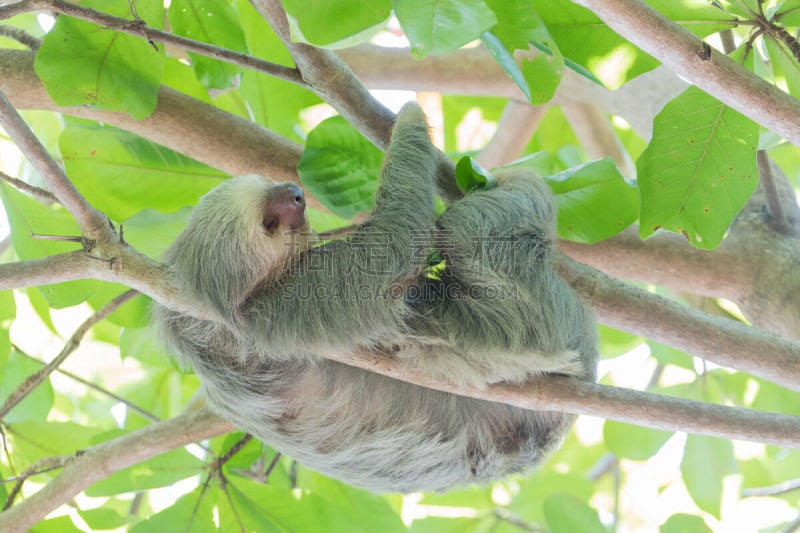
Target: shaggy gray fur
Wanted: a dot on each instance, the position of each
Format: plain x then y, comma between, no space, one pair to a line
497,312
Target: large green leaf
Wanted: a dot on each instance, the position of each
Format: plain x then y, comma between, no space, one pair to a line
328,22
214,22
121,173
444,25
706,461
698,170
594,201
81,63
340,167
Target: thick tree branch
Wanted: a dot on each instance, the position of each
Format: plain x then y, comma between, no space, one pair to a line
596,135
720,340
718,75
99,462
668,260
517,125
179,122
560,393
472,71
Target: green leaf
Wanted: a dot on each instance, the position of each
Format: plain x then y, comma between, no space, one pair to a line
60,524
698,170
540,163
8,308
121,173
788,13
785,66
81,63
585,39
37,404
523,33
470,175
706,461
506,60
444,25
684,523
565,513
194,512
594,201
340,167
627,441
214,22
327,23
161,471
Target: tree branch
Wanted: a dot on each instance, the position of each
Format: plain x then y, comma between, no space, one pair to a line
179,122
517,125
93,223
561,393
723,341
36,379
666,259
718,75
597,136
140,29
335,83
102,460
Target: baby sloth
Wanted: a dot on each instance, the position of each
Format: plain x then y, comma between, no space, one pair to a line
493,310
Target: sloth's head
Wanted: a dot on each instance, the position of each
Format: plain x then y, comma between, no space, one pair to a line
242,232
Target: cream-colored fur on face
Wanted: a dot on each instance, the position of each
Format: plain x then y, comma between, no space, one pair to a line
496,312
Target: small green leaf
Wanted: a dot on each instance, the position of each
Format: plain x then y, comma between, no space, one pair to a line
565,513
442,26
332,21
706,461
594,201
698,170
81,63
471,176
340,167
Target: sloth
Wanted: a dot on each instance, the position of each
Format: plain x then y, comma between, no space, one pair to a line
470,297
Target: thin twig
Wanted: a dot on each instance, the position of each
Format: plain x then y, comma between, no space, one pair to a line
35,379
42,194
46,464
772,490
140,29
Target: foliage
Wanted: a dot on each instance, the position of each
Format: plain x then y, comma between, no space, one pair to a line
693,177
